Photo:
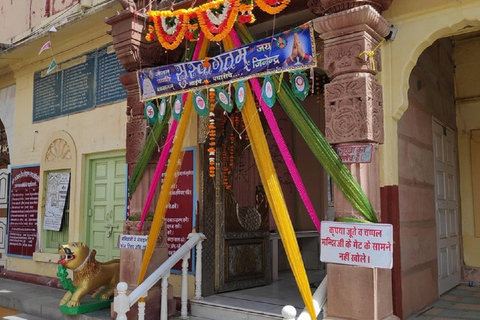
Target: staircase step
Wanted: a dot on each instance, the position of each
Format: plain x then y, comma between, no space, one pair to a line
234,309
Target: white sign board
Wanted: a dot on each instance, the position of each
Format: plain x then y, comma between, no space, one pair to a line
359,244
128,241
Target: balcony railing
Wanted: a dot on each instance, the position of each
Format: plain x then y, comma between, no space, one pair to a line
123,302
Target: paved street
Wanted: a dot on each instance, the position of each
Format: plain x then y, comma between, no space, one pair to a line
462,302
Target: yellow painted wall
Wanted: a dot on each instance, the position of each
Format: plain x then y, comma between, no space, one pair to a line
100,130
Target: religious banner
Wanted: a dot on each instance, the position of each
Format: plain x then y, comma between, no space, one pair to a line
359,244
22,213
290,50
57,189
180,215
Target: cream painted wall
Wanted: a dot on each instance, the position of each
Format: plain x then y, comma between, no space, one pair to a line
467,86
416,31
100,130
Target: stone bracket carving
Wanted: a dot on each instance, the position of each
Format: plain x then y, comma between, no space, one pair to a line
354,110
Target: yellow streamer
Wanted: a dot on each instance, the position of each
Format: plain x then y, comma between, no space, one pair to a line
370,54
164,197
274,194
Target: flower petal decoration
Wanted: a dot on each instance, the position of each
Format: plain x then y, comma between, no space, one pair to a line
272,6
216,18
170,27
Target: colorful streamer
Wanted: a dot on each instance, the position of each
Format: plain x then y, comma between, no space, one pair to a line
277,134
172,167
274,194
165,152
320,147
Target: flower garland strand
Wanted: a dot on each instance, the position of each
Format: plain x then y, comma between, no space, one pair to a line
212,134
272,6
215,19
218,19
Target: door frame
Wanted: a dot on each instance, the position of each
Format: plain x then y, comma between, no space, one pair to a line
435,122
88,160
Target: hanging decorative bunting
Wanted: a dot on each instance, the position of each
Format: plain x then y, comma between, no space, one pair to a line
268,91
223,99
170,27
240,95
177,107
300,85
162,109
150,112
200,104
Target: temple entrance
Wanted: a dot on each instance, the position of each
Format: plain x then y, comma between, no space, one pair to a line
243,249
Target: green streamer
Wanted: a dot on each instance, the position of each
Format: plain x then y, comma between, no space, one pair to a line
154,136
147,151
320,147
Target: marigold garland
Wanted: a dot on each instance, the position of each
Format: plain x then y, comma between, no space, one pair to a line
212,134
272,6
218,30
215,19
170,27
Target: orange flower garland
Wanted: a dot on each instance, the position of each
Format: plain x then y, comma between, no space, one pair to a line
272,6
212,134
216,30
170,36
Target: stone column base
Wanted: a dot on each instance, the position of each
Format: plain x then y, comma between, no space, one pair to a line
359,293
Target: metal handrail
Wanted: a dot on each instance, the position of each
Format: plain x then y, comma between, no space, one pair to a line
123,302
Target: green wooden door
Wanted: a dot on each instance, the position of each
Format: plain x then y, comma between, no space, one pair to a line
105,205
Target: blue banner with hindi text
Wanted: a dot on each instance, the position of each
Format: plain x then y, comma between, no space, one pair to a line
290,50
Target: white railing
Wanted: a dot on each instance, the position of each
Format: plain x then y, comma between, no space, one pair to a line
319,300
123,302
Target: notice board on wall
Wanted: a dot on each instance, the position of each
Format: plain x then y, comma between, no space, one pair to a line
22,213
78,86
180,215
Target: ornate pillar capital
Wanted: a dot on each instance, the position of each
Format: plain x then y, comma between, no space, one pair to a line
321,7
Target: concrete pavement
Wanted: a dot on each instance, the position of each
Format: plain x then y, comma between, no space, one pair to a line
38,302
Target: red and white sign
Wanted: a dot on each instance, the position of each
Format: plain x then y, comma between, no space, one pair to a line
354,153
359,244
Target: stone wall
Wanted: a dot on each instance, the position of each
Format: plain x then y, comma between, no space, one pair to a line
431,94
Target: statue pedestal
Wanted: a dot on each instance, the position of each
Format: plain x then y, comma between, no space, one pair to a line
359,293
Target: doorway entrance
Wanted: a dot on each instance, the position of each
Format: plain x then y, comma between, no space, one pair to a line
446,206
105,203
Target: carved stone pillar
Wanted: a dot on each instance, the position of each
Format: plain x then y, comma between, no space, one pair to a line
134,52
352,33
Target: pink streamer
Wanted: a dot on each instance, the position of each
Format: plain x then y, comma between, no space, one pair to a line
287,157
165,151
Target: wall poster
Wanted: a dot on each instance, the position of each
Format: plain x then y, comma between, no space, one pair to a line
57,189
22,213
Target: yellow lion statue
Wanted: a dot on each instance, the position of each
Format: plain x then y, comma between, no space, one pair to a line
88,273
